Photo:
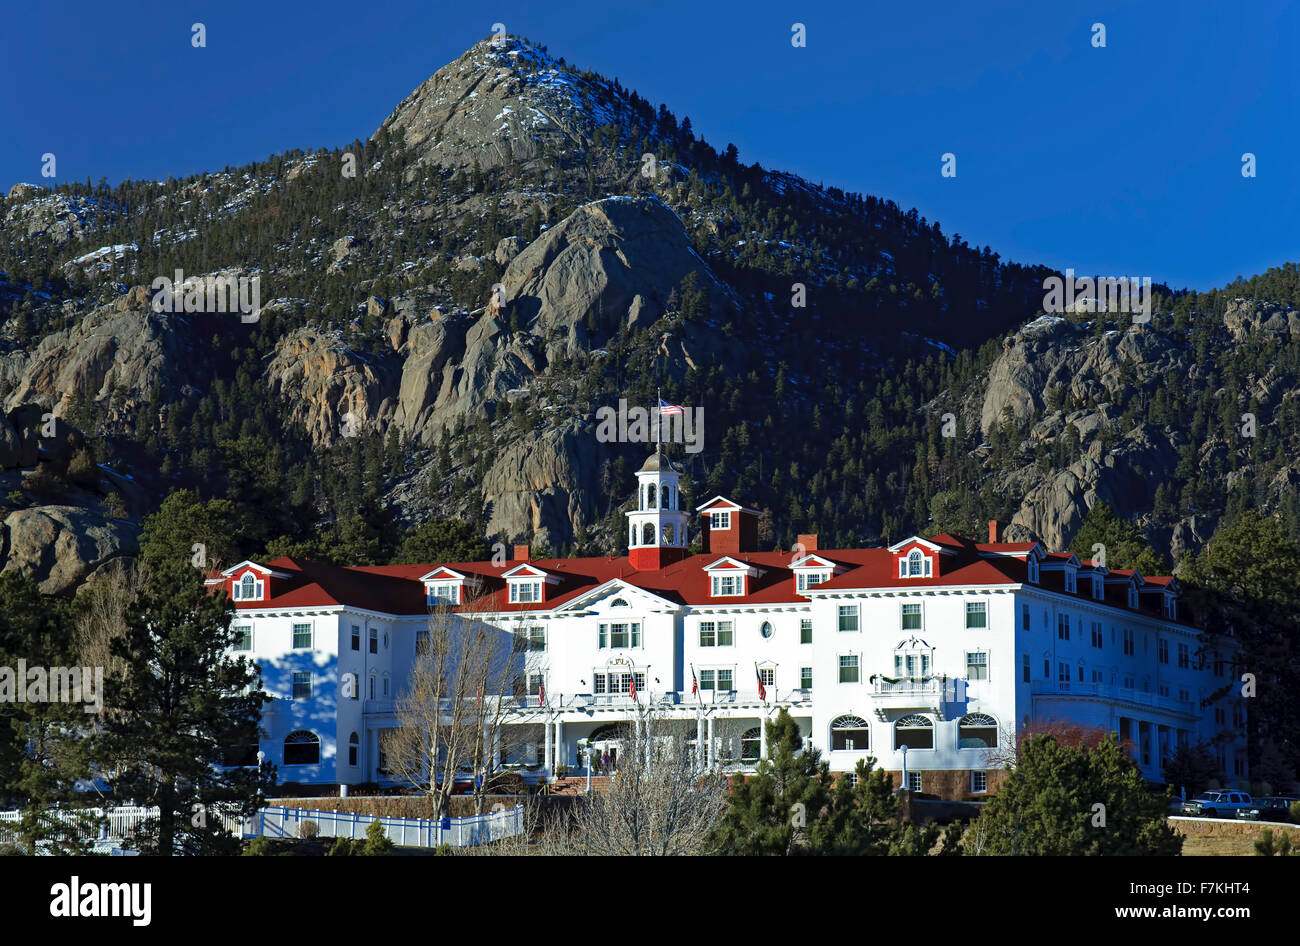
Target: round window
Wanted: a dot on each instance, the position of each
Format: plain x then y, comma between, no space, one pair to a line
766,629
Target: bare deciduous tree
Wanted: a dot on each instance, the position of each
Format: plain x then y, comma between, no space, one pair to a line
660,802
453,713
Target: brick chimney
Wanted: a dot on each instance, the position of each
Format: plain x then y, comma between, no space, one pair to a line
522,552
993,530
808,541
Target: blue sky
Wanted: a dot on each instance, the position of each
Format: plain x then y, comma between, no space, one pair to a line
1122,160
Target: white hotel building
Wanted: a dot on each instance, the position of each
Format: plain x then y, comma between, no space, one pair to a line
944,645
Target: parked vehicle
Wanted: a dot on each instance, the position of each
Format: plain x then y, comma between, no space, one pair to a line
1269,808
1217,804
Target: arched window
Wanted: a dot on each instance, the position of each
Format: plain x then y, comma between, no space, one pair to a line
650,496
668,534
977,731
248,587
914,563
618,603
915,732
850,733
665,497
751,745
648,534
631,540
353,744
301,748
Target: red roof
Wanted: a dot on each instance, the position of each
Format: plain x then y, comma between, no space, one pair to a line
396,589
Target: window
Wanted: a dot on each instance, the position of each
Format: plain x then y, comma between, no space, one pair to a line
716,634
915,732
913,666
850,734
725,585
1047,669
849,669
1033,569
1096,587
243,637
536,639
979,782
615,636
914,781
301,748
385,684
806,580
977,614
1162,650
1062,672
1128,681
356,637
805,630
977,731
301,636
374,640
805,678
1184,658
706,680
302,684
719,520
535,684
248,588
1164,689
421,642
444,592
1024,617
725,683
915,565
1096,634
768,676
371,690
911,617
765,630
848,614
1025,658
526,592
353,745
1069,580
1129,646
751,744
598,683
977,666
1063,627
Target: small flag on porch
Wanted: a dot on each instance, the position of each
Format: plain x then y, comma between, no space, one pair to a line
695,684
632,691
762,690
541,693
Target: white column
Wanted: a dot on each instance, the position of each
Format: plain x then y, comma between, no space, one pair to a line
559,742
546,754
762,734
710,743
699,741
648,742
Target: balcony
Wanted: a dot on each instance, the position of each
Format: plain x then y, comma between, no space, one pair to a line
925,695
1066,690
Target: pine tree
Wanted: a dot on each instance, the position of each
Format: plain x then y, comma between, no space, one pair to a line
184,701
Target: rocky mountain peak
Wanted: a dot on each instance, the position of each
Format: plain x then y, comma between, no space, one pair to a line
502,102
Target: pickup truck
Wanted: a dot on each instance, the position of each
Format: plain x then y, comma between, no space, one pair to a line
1216,804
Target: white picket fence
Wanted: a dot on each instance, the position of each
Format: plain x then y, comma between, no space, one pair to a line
118,824
407,832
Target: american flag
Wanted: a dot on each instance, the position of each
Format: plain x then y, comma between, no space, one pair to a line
762,690
669,410
541,693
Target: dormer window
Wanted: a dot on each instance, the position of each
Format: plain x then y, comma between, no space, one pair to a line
723,586
1097,589
444,593
915,565
1132,597
806,580
1033,570
719,521
1070,585
1171,608
525,592
249,588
